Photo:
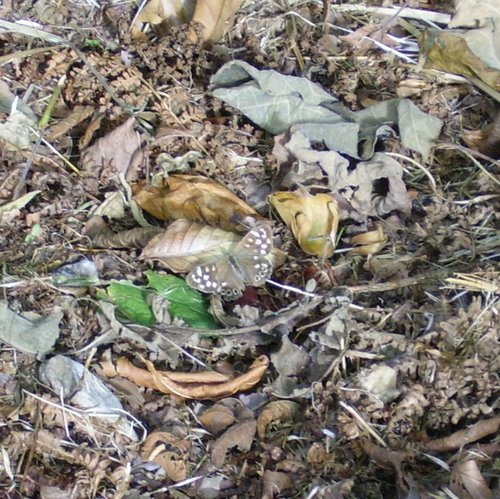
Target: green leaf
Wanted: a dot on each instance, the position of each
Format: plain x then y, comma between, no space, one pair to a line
132,302
184,302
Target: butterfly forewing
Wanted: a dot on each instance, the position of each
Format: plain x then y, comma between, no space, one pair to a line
245,265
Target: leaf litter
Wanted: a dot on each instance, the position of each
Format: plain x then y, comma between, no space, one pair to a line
365,367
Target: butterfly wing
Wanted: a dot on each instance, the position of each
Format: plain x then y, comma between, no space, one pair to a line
220,277
246,264
250,256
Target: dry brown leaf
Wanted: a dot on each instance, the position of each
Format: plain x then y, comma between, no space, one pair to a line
77,115
186,244
239,435
212,15
275,483
279,410
370,243
313,219
198,199
169,452
217,418
468,482
103,237
117,152
198,385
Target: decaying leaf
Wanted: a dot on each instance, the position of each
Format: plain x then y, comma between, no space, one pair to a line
199,385
313,219
76,383
278,410
275,483
369,243
169,452
198,199
36,335
217,418
239,435
118,152
472,53
372,188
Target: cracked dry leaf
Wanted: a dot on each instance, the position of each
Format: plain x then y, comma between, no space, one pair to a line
278,410
239,435
313,219
198,385
370,243
198,199
169,452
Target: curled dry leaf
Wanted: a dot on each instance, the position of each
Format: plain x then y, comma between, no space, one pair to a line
103,237
369,243
275,483
279,410
197,385
313,219
217,418
169,452
239,435
195,198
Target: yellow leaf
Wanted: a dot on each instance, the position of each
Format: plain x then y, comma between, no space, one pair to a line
313,219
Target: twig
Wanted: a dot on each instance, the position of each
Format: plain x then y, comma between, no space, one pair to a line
463,437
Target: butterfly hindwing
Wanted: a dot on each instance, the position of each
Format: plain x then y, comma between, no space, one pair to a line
245,265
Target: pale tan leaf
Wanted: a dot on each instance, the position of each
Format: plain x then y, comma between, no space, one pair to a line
239,435
117,152
186,244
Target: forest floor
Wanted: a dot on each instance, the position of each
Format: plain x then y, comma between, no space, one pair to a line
366,374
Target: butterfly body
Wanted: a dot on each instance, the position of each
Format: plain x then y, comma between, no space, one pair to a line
247,264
